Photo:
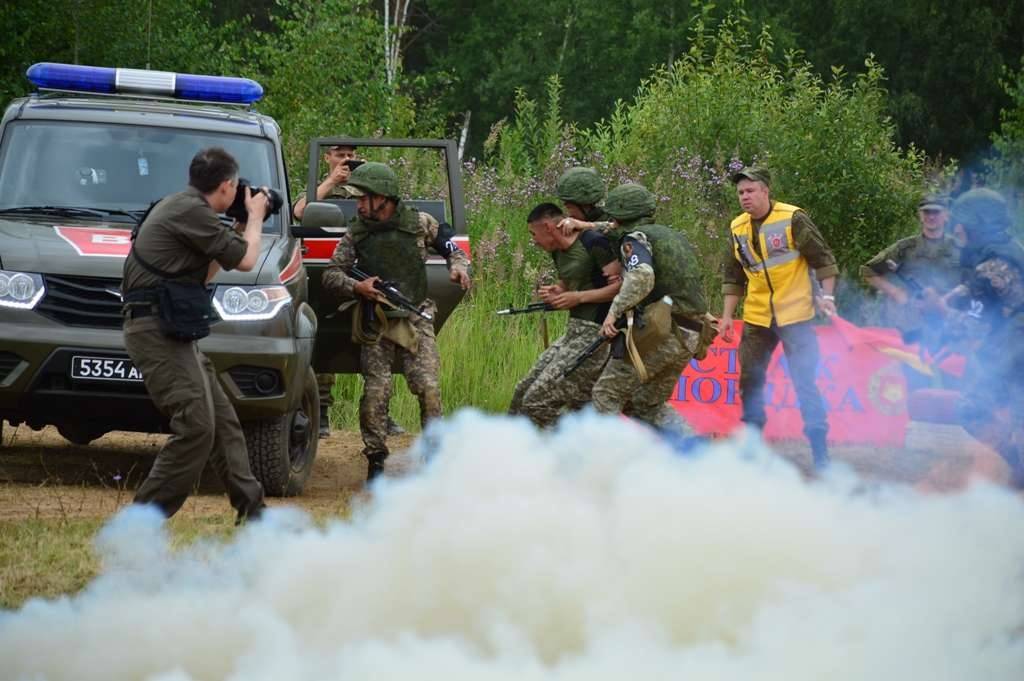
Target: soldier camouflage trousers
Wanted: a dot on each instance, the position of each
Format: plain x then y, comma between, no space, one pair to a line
324,384
543,393
183,385
619,389
422,374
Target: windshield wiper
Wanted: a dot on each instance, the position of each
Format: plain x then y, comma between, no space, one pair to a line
70,211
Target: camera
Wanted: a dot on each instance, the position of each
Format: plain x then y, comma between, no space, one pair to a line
237,208
352,163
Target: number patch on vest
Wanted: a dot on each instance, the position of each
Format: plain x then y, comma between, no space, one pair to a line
634,254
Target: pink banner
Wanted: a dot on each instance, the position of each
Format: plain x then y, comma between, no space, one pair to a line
863,388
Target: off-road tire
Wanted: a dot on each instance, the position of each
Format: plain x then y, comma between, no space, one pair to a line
78,434
280,456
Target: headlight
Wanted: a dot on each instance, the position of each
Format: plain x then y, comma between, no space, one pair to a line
21,290
250,303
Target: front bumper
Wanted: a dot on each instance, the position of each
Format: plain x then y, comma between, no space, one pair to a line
260,365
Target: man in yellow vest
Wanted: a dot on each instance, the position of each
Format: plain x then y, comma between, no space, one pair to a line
775,255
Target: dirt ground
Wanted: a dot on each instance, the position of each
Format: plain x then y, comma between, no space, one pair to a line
44,476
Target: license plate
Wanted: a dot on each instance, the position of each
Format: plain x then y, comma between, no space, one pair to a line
104,369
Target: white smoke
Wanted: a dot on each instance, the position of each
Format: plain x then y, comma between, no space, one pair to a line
593,552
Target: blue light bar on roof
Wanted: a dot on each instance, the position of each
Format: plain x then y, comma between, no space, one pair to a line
139,81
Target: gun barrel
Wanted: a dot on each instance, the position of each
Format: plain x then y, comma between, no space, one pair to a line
531,307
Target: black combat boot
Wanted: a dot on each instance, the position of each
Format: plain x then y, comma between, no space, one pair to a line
374,464
325,420
819,449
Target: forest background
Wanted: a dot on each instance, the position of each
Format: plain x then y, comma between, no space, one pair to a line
858,106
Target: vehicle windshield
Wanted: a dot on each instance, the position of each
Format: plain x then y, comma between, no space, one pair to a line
115,169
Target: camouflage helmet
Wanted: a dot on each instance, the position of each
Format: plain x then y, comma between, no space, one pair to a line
374,178
629,202
582,186
981,211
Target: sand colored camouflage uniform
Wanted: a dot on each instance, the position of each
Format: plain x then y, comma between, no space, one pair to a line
421,368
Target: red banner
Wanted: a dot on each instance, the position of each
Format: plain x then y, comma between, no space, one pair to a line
859,376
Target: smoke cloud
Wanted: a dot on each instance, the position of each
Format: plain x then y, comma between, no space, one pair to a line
593,552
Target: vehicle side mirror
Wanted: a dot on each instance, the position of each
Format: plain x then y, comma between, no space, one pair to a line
319,217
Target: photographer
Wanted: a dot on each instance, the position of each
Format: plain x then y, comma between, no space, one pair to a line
179,247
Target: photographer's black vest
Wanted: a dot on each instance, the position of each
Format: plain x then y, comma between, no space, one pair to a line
391,251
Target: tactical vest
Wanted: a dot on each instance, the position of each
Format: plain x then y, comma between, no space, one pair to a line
391,251
676,273
778,278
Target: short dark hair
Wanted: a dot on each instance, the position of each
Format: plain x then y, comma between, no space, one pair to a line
545,211
210,167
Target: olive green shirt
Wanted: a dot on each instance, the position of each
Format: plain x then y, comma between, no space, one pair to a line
182,234
809,242
928,262
338,191
580,267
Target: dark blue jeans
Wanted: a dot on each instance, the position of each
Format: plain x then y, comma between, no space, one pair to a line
800,344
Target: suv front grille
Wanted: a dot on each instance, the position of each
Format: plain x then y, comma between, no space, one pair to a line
82,301
8,361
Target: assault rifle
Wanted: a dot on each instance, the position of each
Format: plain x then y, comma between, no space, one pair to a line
594,346
393,295
532,307
894,268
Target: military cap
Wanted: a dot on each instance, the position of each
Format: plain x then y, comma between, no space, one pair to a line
373,178
582,186
754,174
933,202
630,201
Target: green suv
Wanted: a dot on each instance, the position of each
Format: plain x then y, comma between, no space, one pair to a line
77,169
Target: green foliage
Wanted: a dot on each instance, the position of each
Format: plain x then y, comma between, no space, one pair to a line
722,105
1008,164
170,35
324,74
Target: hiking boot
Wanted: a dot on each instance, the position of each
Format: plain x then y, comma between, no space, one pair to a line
394,428
325,420
374,465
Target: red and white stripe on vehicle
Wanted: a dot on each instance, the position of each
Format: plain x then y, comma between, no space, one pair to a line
318,250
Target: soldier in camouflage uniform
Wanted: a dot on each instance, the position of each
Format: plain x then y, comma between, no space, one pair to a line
333,186
902,271
659,265
391,240
992,297
588,278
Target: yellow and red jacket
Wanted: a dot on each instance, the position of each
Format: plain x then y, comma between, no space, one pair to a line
778,279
